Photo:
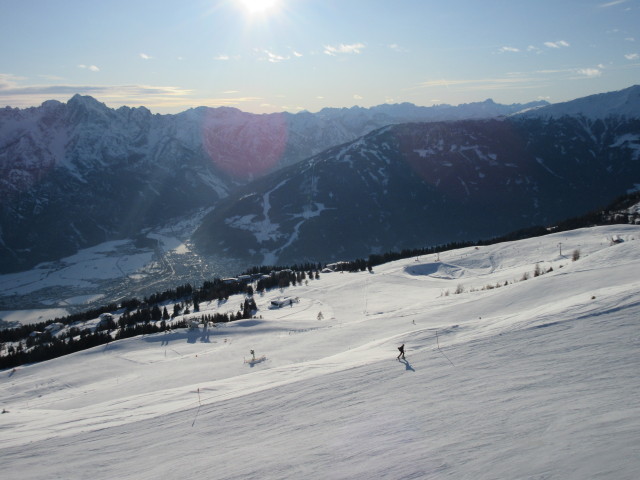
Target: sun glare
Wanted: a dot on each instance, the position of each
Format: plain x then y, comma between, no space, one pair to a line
258,6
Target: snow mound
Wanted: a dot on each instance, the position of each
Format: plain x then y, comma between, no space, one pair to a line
443,271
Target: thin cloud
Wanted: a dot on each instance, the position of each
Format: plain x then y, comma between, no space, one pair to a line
144,56
48,91
103,90
273,57
9,81
632,56
483,81
353,48
558,44
397,48
514,81
612,4
509,50
590,72
548,71
91,68
13,93
221,58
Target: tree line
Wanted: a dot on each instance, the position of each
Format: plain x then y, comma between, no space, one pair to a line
36,343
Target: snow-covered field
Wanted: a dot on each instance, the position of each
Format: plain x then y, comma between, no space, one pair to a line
536,379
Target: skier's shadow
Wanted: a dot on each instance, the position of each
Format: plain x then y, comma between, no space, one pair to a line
407,365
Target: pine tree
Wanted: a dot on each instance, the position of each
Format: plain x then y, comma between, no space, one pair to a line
156,314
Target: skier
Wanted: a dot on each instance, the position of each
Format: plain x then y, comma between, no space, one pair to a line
401,354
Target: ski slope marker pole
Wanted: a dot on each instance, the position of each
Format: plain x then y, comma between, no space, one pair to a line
438,341
199,407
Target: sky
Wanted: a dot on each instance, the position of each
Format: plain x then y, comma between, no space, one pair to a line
265,56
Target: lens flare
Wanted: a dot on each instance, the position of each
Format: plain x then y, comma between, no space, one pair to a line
244,147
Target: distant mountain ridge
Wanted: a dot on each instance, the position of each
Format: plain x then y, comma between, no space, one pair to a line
623,103
416,184
78,173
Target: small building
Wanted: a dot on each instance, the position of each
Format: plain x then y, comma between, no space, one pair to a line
337,266
283,302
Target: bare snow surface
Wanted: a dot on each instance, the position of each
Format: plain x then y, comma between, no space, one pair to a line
536,379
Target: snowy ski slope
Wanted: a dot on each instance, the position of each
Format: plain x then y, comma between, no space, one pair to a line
535,379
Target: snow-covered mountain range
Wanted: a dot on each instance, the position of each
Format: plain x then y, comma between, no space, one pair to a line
76,174
514,376
622,103
404,186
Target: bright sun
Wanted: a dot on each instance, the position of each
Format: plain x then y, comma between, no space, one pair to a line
258,6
